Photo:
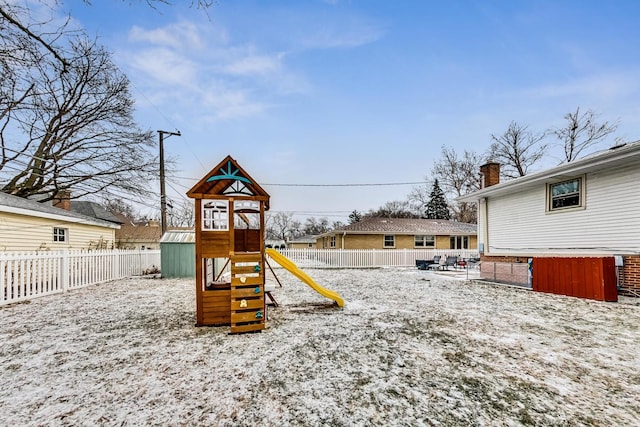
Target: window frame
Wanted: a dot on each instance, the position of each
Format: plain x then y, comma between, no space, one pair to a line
212,218
332,241
581,195
424,240
60,235
459,242
384,241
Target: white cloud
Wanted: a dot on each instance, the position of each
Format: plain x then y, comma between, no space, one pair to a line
165,66
181,35
348,36
602,86
215,80
255,64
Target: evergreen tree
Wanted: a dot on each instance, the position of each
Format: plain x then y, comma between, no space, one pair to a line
437,207
354,216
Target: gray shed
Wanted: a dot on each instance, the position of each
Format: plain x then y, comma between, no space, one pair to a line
178,254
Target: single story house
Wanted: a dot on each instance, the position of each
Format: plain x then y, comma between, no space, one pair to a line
302,242
585,208
141,235
27,225
400,233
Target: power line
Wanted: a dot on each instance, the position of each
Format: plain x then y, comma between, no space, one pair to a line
380,184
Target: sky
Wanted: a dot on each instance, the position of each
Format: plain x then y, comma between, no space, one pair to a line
311,95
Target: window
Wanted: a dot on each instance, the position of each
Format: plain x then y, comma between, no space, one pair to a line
389,241
459,242
215,215
60,234
332,241
424,241
566,194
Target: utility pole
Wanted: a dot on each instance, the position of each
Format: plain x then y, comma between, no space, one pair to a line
163,193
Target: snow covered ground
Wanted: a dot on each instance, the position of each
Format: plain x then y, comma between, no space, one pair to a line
409,348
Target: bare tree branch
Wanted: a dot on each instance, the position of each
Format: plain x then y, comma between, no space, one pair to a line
517,149
582,131
458,176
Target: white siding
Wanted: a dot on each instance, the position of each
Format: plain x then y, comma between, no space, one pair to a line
25,233
610,223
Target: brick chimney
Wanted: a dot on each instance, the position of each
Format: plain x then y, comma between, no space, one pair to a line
62,200
490,174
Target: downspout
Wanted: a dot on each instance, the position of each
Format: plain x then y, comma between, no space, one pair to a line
344,234
485,224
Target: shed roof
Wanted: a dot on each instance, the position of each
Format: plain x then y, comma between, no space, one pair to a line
179,236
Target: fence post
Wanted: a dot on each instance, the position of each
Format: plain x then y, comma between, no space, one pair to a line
64,270
115,264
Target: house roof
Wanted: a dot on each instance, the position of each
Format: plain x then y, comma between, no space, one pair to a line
94,210
21,206
436,227
148,232
614,157
309,238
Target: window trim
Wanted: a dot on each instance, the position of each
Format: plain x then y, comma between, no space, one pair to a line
212,217
332,241
60,235
384,241
462,239
581,195
424,241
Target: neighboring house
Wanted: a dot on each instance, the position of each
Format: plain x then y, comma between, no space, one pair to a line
27,225
586,208
274,243
401,233
138,235
94,210
302,242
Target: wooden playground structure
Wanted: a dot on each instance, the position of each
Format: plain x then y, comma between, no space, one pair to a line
230,253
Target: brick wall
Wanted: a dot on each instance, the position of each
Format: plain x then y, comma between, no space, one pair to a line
509,269
630,276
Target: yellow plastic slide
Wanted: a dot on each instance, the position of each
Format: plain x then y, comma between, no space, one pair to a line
293,269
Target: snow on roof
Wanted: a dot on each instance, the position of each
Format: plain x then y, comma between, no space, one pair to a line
178,236
436,227
21,206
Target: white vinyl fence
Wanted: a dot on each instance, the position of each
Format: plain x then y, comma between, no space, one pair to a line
28,275
363,258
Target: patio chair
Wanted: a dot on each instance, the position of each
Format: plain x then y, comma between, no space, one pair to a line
425,264
450,261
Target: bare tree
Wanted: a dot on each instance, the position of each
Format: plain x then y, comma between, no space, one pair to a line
582,131
394,209
120,207
183,215
458,176
313,225
68,125
517,149
281,225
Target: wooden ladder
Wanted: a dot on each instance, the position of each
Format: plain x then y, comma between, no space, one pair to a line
247,292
